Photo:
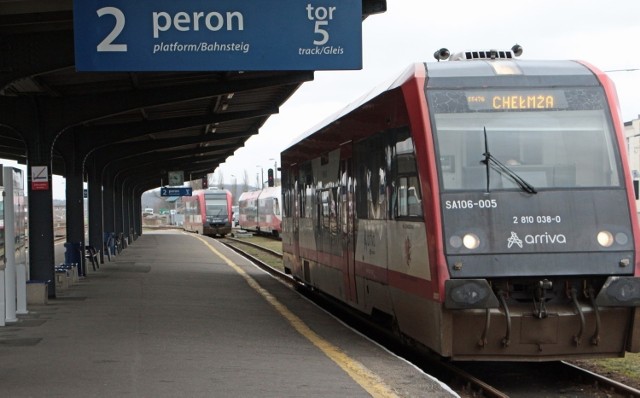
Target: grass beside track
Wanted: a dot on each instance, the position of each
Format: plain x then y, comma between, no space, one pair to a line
269,243
264,241
625,370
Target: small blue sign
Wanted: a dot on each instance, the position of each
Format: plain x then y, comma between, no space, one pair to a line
205,35
178,191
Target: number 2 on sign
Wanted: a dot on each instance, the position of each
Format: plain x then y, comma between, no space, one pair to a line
107,45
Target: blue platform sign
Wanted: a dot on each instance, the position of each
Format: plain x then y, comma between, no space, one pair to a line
220,35
176,191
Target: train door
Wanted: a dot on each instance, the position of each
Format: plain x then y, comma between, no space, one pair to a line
296,212
347,222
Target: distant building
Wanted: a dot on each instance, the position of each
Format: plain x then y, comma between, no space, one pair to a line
632,134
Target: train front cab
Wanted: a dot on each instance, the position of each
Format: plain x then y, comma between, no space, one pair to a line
538,225
216,211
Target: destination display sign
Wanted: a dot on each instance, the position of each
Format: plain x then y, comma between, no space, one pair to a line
517,100
201,35
177,191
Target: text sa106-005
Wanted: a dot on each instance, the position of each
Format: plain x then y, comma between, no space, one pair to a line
470,204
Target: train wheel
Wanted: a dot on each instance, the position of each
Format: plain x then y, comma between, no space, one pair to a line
395,329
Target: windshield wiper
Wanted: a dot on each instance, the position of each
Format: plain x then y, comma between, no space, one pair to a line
492,162
210,214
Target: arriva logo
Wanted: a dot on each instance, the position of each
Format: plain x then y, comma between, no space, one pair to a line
541,239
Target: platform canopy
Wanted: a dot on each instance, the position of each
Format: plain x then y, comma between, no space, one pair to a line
144,124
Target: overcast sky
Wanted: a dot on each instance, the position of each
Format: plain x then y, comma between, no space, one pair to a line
605,34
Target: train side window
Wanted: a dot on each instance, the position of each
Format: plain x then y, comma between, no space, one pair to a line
306,191
371,178
323,212
408,197
328,211
405,188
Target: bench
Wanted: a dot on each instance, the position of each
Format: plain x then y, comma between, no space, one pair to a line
119,242
37,292
92,254
107,251
62,277
108,245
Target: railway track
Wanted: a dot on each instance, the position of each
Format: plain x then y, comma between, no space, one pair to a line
544,379
468,379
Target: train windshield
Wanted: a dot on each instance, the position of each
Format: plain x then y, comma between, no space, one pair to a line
554,138
216,206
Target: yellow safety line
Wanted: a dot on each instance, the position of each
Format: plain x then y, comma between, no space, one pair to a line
358,372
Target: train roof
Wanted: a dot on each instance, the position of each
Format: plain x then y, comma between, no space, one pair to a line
510,73
473,73
211,190
388,85
484,68
267,192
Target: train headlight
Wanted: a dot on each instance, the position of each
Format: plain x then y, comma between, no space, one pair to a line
622,238
471,241
605,238
469,293
620,291
455,241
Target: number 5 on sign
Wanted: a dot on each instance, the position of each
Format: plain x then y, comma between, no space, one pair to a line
320,16
107,43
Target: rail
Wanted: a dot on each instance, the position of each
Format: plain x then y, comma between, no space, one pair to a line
263,265
256,246
603,381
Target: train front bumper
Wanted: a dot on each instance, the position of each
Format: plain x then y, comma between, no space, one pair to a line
217,228
617,291
620,291
469,294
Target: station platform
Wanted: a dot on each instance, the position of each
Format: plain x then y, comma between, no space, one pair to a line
180,315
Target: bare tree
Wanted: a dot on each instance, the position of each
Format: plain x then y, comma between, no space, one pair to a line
196,184
220,179
245,181
234,189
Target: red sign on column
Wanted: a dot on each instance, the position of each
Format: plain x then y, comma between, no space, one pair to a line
39,178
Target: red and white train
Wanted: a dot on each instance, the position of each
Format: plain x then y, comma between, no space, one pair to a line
207,212
481,206
261,211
